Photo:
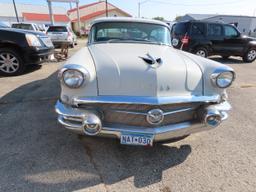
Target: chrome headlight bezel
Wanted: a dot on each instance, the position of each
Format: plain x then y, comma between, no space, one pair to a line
84,74
215,77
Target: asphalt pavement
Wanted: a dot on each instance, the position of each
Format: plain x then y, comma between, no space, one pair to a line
37,154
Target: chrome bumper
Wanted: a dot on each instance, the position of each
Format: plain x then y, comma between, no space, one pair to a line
66,113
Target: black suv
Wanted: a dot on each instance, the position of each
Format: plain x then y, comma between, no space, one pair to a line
18,48
207,38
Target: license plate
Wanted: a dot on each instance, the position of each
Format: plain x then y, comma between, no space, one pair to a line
136,139
47,41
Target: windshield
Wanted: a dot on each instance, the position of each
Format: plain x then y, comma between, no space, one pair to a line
127,32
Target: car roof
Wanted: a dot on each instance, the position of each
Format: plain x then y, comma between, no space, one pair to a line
128,19
24,23
200,21
23,31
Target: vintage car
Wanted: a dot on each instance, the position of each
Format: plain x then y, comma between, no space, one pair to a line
130,83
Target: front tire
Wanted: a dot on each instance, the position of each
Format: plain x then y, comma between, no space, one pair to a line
11,63
250,55
201,51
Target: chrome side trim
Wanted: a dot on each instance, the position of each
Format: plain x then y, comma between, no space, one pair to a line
145,100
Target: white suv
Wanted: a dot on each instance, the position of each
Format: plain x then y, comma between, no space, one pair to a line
62,34
26,26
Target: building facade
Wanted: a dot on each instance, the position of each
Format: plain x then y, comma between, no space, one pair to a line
93,11
33,14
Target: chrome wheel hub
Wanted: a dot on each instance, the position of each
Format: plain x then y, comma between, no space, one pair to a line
201,53
8,63
251,55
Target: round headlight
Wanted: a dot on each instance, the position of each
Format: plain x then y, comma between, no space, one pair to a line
225,79
73,78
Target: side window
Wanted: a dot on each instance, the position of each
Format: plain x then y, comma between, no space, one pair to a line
197,29
230,31
214,30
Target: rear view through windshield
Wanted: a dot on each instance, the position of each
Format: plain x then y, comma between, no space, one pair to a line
57,29
127,32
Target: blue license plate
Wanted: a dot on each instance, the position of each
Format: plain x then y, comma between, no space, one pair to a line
136,139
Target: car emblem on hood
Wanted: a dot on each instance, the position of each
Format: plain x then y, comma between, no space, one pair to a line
149,59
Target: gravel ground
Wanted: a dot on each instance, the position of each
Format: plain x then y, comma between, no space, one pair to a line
37,154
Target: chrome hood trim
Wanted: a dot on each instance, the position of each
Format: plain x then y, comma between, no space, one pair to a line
146,100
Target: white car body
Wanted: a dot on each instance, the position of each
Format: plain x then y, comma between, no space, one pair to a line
126,96
26,26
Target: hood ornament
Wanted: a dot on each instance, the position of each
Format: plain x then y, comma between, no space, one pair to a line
149,59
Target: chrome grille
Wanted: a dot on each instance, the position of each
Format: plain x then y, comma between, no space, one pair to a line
135,115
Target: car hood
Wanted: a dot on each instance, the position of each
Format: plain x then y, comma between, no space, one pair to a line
23,31
248,38
121,70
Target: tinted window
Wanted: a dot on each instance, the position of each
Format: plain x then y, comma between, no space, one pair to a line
57,29
180,28
214,30
197,29
22,26
230,31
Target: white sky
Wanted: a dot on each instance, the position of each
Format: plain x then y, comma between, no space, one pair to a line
169,9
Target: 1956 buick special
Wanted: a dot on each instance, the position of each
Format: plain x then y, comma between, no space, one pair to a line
129,83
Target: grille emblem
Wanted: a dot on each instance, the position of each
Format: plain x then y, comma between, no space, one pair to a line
155,116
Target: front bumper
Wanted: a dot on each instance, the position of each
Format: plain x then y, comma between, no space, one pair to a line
38,55
161,133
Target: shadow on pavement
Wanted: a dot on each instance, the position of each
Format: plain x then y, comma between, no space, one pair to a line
29,69
37,154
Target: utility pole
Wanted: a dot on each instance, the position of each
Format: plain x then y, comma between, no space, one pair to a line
50,11
16,13
106,1
139,6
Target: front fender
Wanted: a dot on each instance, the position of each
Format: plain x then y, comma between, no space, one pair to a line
84,59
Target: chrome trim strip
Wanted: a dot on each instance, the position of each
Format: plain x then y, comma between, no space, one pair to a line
145,114
145,100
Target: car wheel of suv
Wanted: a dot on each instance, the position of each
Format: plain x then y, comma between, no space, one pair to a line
250,55
201,51
11,62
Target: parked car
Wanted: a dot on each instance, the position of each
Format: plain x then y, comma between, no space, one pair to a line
26,26
208,38
129,83
60,34
19,48
3,25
